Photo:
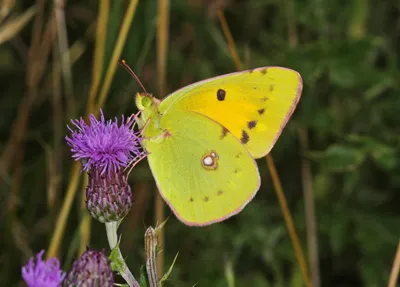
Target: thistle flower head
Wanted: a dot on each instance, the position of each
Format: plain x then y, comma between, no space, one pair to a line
106,149
92,268
42,273
104,145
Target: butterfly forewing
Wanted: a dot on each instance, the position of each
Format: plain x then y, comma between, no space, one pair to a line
253,105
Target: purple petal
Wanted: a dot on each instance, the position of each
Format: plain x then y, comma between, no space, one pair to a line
105,145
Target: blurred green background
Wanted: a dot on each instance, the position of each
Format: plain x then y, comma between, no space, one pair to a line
342,144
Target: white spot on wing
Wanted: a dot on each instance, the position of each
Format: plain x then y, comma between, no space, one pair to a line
208,160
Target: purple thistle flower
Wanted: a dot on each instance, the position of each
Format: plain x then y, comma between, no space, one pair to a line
103,144
43,273
92,268
106,149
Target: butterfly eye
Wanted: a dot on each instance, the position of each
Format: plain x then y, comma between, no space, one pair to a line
146,101
143,100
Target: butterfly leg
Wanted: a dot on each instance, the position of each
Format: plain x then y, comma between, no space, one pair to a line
135,118
135,161
159,137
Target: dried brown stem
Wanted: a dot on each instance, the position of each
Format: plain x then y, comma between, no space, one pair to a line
37,59
394,274
289,220
309,206
162,45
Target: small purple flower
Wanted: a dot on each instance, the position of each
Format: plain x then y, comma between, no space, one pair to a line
92,268
43,273
104,145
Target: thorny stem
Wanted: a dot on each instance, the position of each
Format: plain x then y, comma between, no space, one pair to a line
112,237
150,244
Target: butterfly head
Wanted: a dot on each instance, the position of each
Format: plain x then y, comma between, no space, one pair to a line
148,106
145,101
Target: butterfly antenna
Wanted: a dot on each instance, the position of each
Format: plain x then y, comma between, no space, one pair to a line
126,67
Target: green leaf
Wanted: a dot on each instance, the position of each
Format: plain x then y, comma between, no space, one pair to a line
117,264
165,277
161,225
143,277
383,154
339,158
385,157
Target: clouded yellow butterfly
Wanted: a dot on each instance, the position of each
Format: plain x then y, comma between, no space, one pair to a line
202,139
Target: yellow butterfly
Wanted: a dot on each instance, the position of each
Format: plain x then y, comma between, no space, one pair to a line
202,139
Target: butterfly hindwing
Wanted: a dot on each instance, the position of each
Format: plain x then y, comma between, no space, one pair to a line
202,171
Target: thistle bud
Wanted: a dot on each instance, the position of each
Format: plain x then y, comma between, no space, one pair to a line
108,198
92,268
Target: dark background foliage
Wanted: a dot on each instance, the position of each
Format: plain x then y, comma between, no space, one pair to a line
347,54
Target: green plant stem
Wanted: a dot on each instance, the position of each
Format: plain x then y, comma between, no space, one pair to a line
112,237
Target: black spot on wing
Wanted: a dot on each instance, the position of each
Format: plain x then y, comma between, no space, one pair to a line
261,111
264,71
224,132
271,88
221,95
251,124
245,137
206,199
